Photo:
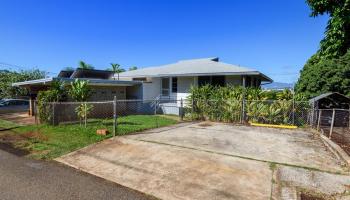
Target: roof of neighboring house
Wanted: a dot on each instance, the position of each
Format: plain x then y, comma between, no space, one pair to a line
195,67
330,95
93,82
86,73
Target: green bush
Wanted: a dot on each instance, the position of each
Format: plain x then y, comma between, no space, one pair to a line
226,104
44,101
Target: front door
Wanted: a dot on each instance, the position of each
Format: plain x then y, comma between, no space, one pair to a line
165,86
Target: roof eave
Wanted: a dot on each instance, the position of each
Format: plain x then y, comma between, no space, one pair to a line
268,79
92,82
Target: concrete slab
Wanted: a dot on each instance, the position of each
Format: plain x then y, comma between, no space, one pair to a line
292,147
214,161
169,172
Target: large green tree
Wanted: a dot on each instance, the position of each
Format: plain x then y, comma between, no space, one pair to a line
328,75
326,70
7,77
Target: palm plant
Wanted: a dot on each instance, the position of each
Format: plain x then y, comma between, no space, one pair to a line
117,69
80,92
83,65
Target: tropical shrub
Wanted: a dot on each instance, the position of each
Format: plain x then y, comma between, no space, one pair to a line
55,93
227,103
80,92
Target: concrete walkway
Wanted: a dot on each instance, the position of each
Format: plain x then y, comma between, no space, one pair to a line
215,161
22,178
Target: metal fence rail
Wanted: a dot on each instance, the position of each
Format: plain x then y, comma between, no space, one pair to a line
326,120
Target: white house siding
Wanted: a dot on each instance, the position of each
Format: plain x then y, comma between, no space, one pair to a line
233,80
151,90
183,86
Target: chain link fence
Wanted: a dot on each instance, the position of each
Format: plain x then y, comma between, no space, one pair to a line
257,111
334,124
284,112
103,114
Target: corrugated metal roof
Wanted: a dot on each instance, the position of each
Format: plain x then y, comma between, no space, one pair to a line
326,95
205,66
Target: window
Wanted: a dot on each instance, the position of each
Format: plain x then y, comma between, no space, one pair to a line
212,80
139,79
165,86
174,84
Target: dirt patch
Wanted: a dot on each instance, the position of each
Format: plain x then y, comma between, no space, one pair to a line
9,143
16,143
308,195
206,124
340,136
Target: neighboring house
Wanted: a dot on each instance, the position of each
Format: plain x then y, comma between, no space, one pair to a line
172,81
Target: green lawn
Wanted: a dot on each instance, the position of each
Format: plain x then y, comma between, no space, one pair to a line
48,142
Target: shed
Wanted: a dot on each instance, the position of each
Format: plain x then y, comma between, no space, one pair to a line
330,100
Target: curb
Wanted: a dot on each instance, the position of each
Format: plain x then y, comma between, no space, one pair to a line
273,125
336,149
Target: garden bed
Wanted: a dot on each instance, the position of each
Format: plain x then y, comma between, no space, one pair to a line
48,142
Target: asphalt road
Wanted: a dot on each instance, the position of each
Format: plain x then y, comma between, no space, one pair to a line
23,178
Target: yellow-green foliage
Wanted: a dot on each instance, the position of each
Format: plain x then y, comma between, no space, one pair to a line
226,104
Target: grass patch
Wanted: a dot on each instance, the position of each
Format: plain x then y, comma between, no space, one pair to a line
48,142
7,124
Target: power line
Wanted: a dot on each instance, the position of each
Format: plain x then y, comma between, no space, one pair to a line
12,66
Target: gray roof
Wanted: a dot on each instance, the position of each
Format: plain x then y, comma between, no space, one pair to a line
325,95
195,67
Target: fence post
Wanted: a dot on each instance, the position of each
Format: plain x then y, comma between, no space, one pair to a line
181,110
332,124
243,110
349,118
155,106
114,116
35,113
53,113
192,109
319,120
293,110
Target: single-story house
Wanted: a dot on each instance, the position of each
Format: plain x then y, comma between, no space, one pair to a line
175,80
171,81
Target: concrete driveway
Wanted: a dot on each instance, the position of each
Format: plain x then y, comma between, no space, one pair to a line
209,161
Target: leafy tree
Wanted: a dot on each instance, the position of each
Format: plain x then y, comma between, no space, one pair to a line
327,69
116,69
329,75
132,68
68,69
83,65
337,35
55,93
8,77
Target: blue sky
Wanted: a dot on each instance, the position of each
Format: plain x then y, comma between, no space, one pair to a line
273,36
